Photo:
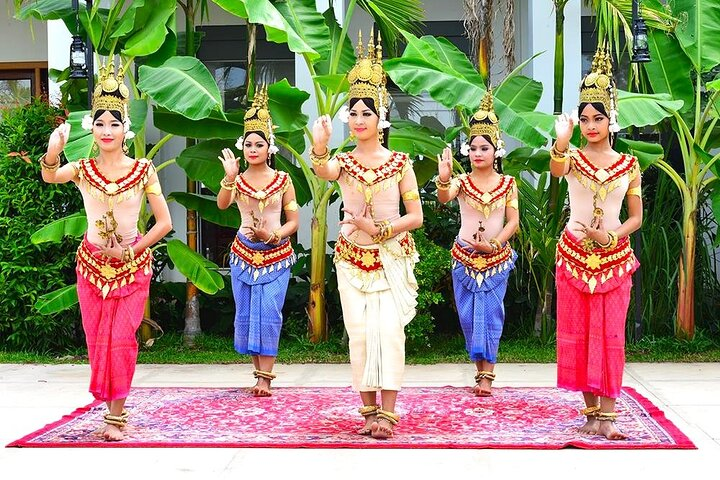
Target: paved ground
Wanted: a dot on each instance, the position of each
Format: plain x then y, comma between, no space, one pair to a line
33,395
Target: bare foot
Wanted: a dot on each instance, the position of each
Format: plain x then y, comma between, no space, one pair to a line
112,433
382,429
610,431
367,429
590,427
483,388
261,388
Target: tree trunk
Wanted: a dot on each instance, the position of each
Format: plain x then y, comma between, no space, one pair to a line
317,314
192,307
685,326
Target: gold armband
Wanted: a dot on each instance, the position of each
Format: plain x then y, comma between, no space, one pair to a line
45,166
634,191
291,206
513,203
319,160
411,195
153,189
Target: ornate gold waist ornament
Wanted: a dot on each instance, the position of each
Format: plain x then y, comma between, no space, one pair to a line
262,261
367,258
594,266
480,265
109,274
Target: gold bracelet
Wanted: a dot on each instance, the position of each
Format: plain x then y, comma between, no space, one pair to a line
319,160
384,232
227,184
614,239
608,243
558,156
50,168
443,186
273,238
495,244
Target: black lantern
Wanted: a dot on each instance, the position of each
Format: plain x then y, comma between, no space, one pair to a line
78,67
641,52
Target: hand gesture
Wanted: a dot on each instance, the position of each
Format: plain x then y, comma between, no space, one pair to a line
258,232
564,128
230,163
360,221
58,140
596,233
321,131
445,165
112,248
479,243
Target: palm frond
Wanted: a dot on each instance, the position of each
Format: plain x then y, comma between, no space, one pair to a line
391,16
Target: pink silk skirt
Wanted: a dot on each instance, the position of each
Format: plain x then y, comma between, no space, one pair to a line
110,324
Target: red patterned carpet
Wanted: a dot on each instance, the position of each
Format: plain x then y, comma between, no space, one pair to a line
325,417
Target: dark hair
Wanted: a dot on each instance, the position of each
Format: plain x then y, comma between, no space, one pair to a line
114,113
271,156
497,163
370,103
600,108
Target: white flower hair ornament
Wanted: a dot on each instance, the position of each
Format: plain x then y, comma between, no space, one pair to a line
383,123
239,144
272,149
129,135
465,149
500,150
344,114
614,125
87,122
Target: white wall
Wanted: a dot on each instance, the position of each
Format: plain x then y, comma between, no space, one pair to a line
18,43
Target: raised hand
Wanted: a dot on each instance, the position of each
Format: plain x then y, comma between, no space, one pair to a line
564,129
230,163
445,165
321,132
58,140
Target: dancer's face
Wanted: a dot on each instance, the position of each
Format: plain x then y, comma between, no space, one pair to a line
482,153
594,125
255,149
363,121
108,132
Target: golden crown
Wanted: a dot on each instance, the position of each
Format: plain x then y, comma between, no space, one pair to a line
598,85
367,78
111,93
257,118
485,121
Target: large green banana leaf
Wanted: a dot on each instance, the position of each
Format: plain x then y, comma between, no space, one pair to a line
74,225
669,71
198,269
58,300
699,32
183,85
213,126
207,207
277,29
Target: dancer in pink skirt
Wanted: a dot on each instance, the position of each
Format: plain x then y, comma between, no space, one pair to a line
114,262
594,262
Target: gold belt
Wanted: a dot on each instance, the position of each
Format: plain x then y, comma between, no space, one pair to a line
367,258
261,258
481,261
110,274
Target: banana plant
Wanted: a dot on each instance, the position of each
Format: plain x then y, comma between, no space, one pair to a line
684,67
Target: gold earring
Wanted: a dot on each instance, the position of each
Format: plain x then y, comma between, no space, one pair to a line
94,150
381,136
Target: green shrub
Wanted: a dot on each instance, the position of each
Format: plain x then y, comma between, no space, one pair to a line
27,203
431,273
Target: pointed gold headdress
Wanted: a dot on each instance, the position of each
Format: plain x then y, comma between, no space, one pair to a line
367,78
598,86
486,122
111,93
258,119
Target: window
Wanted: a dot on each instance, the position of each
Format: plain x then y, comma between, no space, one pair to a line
20,82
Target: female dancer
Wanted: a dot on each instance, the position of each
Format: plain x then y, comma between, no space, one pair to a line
261,253
114,262
482,257
594,262
374,253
